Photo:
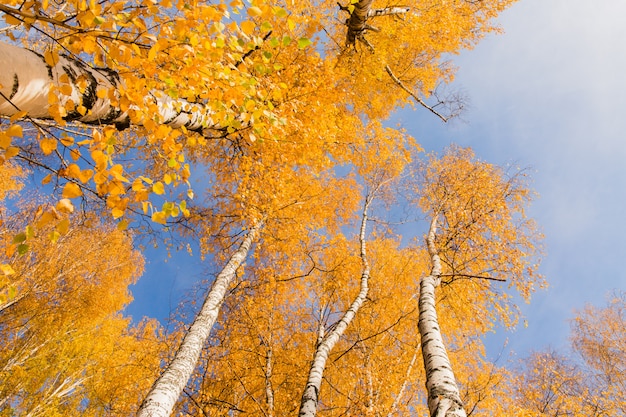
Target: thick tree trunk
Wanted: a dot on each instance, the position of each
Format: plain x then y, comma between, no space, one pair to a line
357,23
444,399
26,81
163,395
310,397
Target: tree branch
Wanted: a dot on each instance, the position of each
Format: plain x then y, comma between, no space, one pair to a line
412,94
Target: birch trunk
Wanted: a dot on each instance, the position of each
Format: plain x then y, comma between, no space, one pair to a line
357,23
358,20
159,402
444,399
310,397
27,79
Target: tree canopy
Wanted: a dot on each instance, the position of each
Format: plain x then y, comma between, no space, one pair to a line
256,133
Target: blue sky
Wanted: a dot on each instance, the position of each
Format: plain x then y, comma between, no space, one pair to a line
548,94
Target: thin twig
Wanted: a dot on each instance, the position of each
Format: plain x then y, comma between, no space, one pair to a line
412,94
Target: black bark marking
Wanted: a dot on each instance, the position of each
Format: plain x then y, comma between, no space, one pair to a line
16,86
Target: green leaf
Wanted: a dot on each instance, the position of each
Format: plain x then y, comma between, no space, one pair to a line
280,12
19,238
304,42
22,249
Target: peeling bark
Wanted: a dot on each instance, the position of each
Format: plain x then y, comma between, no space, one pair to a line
444,399
26,81
167,388
326,342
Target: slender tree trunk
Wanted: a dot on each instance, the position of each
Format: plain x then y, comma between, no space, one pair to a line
167,388
27,78
269,366
269,389
310,397
396,401
444,399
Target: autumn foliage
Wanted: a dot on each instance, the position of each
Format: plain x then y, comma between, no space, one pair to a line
257,134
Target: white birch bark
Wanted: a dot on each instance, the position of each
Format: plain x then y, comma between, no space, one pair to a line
444,399
159,402
326,343
26,80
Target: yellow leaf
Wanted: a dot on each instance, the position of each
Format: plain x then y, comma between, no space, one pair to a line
100,159
67,140
18,115
65,206
46,218
67,89
159,217
116,172
48,145
72,171
46,179
247,27
64,226
158,188
75,154
71,190
5,141
254,11
11,152
102,93
7,269
117,213
153,51
122,225
15,131
85,175
12,20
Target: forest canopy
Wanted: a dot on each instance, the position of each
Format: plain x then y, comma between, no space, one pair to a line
256,134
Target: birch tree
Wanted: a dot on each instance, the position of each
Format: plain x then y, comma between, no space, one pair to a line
67,349
328,339
478,236
119,102
380,165
587,379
